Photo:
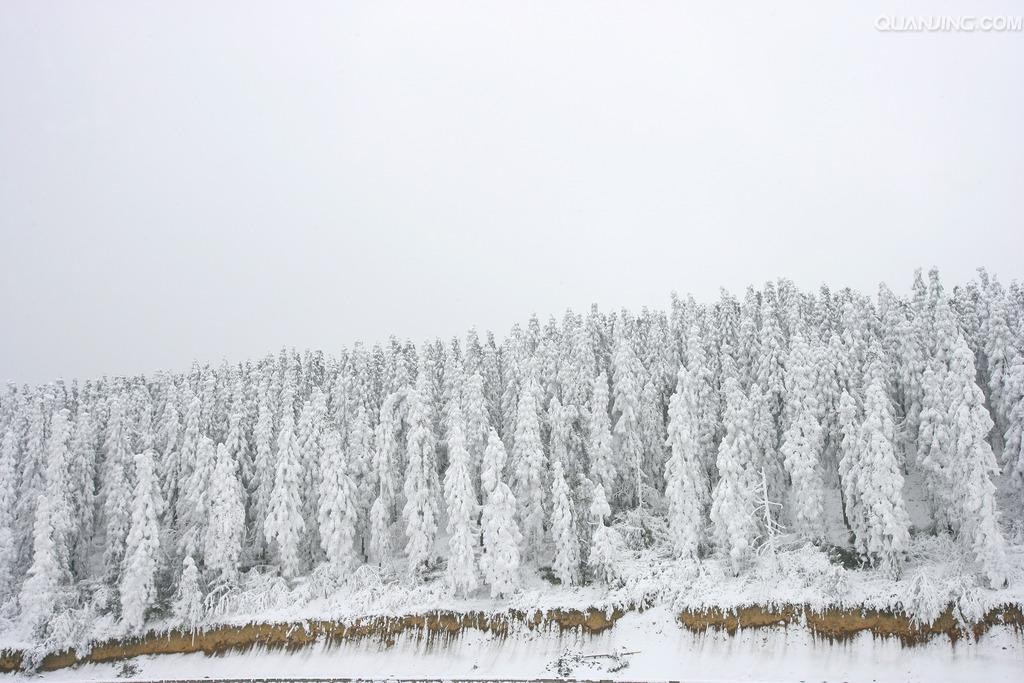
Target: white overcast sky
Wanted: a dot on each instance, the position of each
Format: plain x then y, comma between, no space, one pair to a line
209,180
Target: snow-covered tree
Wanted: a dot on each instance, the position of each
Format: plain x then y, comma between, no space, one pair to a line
1013,439
462,509
265,467
222,541
420,510
801,443
653,430
686,482
196,497
971,467
237,443
566,565
599,448
477,418
82,491
733,498
309,433
284,526
116,489
190,438
362,472
32,482
142,557
58,462
629,446
8,500
701,375
337,514
932,440
771,369
528,460
168,443
41,593
188,602
606,544
385,455
499,563
999,353
874,483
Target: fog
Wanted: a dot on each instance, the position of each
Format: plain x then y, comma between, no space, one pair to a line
196,180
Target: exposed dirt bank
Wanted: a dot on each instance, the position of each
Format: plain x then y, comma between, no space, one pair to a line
832,623
840,623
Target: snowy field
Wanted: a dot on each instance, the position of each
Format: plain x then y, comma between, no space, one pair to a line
661,651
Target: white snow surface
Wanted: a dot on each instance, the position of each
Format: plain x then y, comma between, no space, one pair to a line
662,650
936,577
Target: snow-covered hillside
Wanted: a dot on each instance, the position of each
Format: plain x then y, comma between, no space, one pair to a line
645,646
807,448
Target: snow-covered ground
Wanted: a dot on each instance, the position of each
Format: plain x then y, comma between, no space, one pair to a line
662,651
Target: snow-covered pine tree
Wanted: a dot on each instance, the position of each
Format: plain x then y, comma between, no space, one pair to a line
971,467
881,525
237,442
801,443
41,592
829,385
910,376
58,462
284,526
849,452
222,540
686,482
8,556
362,473
140,414
420,510
116,489
1013,439
599,447
511,373
477,419
31,482
309,432
195,499
337,514
629,446
652,427
771,370
999,354
733,498
142,556
932,441
82,477
168,444
190,437
265,468
566,565
386,457
462,508
528,461
493,381
188,601
605,544
499,563
706,420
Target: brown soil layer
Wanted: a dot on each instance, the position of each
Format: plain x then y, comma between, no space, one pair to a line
832,623
842,623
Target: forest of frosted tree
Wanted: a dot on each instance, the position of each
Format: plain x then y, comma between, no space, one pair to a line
706,433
